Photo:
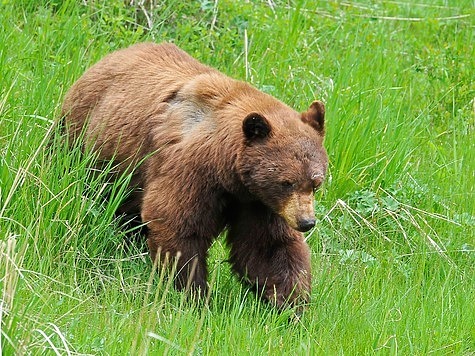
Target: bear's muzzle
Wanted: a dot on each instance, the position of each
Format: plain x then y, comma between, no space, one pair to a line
298,212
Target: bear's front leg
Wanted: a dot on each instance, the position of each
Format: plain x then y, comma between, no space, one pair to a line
271,256
181,227
188,253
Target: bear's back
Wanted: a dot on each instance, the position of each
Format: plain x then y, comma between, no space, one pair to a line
152,58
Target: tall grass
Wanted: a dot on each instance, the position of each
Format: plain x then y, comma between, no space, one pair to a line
393,253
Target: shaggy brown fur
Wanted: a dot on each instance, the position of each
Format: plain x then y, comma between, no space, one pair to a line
218,153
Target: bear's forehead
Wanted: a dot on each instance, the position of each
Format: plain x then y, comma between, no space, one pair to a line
301,153
300,147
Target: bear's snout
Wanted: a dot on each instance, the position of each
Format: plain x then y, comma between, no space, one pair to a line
298,212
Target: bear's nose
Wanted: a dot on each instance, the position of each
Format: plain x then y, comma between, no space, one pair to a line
305,225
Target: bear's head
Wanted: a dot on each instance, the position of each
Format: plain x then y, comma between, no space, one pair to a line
284,162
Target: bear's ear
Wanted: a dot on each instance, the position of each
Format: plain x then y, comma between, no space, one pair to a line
315,116
255,126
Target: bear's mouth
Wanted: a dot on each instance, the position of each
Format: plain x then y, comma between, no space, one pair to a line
302,225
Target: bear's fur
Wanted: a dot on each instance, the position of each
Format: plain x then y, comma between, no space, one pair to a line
217,153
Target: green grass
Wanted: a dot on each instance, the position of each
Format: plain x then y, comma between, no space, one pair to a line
393,253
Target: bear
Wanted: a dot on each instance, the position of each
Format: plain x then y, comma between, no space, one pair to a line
211,154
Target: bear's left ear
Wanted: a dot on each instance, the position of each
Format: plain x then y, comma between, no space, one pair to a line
256,126
315,116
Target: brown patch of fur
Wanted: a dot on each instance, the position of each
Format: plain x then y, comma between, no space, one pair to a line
216,151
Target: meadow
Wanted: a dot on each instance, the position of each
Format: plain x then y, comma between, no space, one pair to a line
393,252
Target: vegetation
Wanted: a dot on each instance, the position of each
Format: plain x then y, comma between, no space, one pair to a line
393,252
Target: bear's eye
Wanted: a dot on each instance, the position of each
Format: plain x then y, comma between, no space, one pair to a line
316,185
287,184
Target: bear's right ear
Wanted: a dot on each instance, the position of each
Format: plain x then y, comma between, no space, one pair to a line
315,116
256,126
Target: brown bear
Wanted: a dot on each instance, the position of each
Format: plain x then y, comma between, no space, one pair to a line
215,153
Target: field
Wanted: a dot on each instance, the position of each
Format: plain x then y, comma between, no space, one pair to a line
393,253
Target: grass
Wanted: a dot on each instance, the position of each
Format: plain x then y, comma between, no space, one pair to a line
393,253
